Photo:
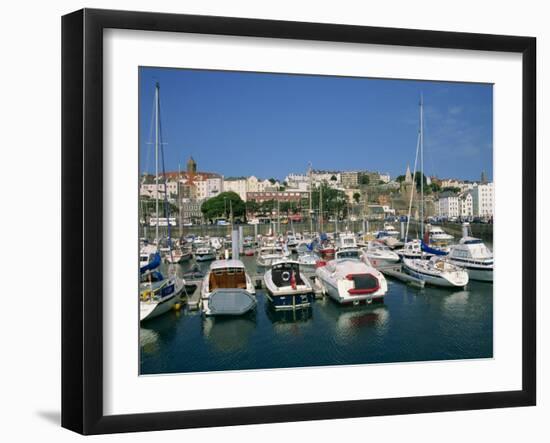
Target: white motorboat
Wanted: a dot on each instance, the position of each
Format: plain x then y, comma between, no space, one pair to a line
387,230
227,289
379,254
291,241
267,255
287,287
411,249
436,234
473,255
205,253
346,240
350,281
216,243
308,259
146,254
436,271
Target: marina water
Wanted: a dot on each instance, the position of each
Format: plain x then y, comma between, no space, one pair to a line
411,325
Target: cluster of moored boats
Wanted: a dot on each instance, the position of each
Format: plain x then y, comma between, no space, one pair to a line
347,267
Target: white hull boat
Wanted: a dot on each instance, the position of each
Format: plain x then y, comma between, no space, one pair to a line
474,256
437,272
157,298
352,282
379,255
205,254
287,287
227,289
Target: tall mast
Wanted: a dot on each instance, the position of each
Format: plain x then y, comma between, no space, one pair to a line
310,205
321,208
421,168
157,87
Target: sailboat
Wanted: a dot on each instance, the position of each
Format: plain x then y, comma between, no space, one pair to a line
437,271
157,294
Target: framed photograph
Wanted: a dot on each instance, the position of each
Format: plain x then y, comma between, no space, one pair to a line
268,221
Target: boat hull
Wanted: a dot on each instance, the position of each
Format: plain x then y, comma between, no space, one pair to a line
229,302
476,272
149,310
286,297
446,280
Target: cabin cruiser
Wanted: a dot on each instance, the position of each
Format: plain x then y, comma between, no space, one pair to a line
205,253
436,271
216,243
411,249
350,281
287,287
291,242
267,255
227,289
436,234
473,255
346,240
308,259
379,254
157,294
146,254
387,231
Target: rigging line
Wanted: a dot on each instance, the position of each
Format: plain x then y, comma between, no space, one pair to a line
168,228
413,186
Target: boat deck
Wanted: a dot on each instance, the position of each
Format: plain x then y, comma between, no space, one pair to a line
396,271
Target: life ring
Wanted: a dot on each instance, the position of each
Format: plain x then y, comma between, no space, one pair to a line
285,276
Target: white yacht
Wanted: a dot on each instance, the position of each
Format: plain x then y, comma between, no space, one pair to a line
379,254
387,230
411,249
267,255
346,240
436,234
205,253
308,259
436,271
227,289
473,255
350,281
287,287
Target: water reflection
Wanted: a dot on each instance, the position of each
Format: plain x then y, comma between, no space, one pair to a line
228,334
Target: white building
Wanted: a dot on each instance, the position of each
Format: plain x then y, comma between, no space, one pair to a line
483,200
243,185
466,205
385,178
448,206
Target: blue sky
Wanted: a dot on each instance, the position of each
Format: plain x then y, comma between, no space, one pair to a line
269,125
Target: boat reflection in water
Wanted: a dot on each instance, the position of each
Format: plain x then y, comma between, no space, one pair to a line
148,340
229,334
351,321
291,322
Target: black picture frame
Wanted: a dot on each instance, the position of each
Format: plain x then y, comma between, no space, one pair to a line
82,218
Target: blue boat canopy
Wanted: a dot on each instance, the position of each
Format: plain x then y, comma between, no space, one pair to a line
433,251
154,263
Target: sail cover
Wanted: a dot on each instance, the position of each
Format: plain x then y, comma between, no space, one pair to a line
433,251
153,263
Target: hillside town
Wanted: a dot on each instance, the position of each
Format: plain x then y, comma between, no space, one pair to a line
359,194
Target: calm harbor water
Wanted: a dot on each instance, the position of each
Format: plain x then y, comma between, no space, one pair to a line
411,325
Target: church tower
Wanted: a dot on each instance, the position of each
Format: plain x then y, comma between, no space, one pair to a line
191,166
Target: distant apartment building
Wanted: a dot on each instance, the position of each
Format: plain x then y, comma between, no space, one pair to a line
289,195
245,185
332,178
466,205
350,179
483,200
448,205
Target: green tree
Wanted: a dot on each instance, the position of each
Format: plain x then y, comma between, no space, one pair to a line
221,206
356,197
364,179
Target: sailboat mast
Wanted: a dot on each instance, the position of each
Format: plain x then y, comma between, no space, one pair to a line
157,159
310,203
421,168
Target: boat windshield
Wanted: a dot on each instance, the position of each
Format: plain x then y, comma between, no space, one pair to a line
348,254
